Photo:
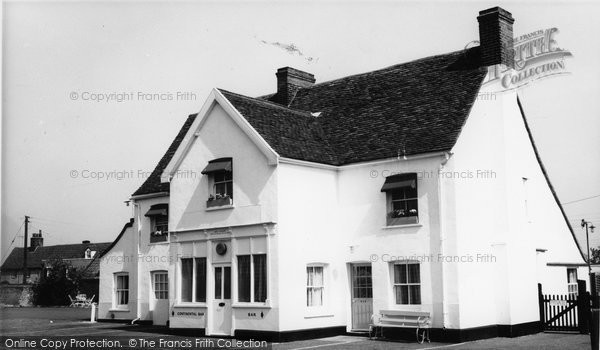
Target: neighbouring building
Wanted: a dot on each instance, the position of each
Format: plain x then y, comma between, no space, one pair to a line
83,257
304,212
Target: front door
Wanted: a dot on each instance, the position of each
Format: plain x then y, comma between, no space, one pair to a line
362,297
222,311
159,298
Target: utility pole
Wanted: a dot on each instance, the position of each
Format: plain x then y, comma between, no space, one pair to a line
587,237
25,250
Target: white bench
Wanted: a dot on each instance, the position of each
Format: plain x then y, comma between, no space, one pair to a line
420,320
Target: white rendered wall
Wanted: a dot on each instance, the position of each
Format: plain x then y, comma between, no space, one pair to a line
252,218
501,214
254,184
152,256
118,259
339,217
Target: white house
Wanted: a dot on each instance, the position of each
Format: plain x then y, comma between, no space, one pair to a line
302,213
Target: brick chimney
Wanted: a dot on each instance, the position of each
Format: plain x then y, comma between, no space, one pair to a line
496,37
289,81
36,241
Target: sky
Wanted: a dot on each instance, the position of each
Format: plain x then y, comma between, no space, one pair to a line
94,92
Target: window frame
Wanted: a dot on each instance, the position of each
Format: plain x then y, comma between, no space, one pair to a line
391,218
194,281
323,268
164,223
158,292
252,280
408,284
117,290
572,292
227,179
155,225
221,175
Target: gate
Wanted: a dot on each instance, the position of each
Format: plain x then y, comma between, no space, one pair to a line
565,313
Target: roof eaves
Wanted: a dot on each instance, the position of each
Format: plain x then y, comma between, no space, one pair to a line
545,173
125,227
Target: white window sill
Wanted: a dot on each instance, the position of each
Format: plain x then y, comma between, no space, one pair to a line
118,310
310,315
231,206
250,306
191,305
401,226
158,243
406,307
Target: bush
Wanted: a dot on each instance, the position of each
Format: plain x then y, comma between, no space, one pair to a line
54,289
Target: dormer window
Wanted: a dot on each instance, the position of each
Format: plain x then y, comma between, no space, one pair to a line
159,222
220,180
89,253
402,199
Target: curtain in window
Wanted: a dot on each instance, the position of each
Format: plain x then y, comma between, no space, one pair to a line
186,279
572,275
407,283
218,282
227,282
314,283
122,290
413,273
201,280
260,277
244,278
400,273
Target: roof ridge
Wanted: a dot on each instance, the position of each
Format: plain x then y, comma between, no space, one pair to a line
380,69
64,245
270,103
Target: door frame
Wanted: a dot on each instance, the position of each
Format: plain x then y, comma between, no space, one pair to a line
152,297
351,266
211,298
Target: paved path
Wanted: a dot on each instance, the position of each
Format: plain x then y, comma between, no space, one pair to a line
69,322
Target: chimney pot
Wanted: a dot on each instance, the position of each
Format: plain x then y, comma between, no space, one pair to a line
496,37
289,81
36,240
85,242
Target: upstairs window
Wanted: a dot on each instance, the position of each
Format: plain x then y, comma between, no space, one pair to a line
220,179
402,199
159,222
572,288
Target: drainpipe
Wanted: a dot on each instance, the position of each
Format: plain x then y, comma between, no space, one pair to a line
447,156
137,214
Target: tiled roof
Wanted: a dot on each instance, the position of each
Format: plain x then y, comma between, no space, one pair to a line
410,108
64,251
295,134
152,183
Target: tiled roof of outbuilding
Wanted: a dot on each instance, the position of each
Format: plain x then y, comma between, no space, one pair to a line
36,257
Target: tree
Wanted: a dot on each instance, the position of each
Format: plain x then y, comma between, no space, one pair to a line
54,288
595,255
